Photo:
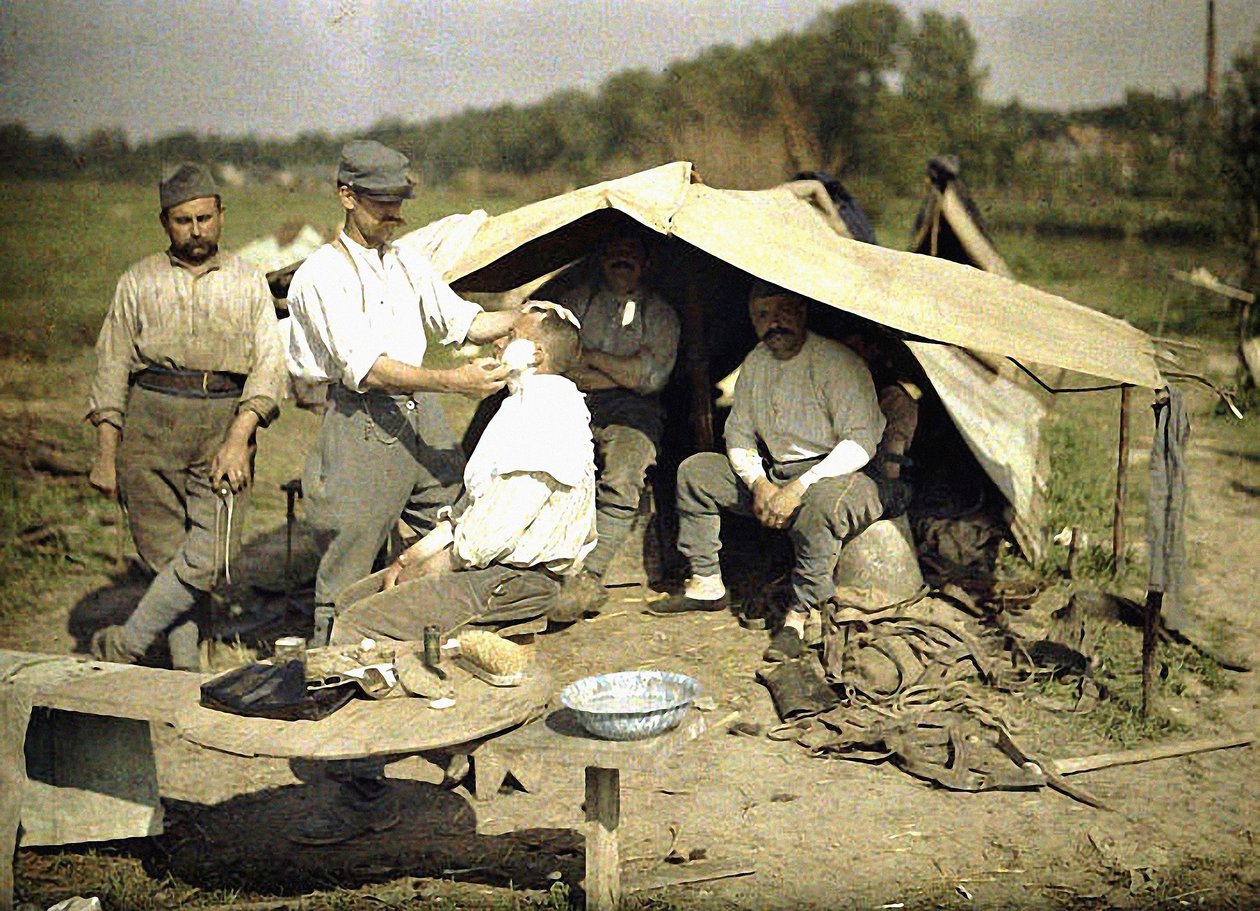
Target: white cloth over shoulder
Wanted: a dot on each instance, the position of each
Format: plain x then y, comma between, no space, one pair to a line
530,483
350,305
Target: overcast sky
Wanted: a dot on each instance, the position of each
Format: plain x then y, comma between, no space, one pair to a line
281,67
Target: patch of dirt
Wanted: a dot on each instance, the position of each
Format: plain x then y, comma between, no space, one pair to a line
818,833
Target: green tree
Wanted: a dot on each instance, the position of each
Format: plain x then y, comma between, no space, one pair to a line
1240,147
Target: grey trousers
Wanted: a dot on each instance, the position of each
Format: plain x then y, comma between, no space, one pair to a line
493,596
164,484
627,430
832,511
378,458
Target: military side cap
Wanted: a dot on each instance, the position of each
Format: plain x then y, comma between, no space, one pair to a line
371,169
186,180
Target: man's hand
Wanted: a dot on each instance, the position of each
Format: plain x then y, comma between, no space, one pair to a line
392,572
783,505
763,491
231,464
589,380
479,378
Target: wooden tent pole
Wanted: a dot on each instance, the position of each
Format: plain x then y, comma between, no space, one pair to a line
698,370
1122,473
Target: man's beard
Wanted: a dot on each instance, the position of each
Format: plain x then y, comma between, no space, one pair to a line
195,252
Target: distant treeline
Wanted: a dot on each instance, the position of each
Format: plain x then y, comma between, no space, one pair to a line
863,91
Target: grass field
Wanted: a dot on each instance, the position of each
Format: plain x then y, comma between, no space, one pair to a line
62,248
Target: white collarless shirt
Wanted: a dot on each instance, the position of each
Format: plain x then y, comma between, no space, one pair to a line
349,305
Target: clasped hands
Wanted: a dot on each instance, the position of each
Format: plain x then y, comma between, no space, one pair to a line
775,505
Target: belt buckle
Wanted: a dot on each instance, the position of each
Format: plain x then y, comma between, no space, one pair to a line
205,383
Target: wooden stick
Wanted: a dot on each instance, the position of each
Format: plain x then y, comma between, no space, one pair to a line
603,858
1122,473
1079,764
662,880
1150,639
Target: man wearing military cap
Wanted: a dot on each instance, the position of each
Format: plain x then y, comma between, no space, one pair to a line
189,364
361,307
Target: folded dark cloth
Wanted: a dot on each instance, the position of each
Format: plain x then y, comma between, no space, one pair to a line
273,691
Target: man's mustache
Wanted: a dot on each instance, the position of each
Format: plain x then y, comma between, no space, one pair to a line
773,332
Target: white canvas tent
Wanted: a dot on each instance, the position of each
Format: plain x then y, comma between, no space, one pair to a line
947,311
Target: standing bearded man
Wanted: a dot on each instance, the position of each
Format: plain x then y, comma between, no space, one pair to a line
189,365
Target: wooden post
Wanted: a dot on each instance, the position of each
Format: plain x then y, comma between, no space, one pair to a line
1122,473
603,859
1150,639
698,370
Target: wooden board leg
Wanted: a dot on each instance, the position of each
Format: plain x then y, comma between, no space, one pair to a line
603,860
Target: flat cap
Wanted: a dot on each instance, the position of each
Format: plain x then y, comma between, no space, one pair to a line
371,169
186,180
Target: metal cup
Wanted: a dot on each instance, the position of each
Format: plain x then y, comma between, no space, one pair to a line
290,648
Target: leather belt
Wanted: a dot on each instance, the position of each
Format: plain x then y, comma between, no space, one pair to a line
193,384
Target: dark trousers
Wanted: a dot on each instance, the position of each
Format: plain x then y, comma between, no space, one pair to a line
627,430
378,458
832,511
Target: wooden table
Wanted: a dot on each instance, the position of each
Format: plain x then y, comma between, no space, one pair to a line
80,729
365,728
558,741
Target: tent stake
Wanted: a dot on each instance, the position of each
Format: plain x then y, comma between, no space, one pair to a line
1122,472
1150,638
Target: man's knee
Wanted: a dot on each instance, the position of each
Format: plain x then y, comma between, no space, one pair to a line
626,454
838,508
698,476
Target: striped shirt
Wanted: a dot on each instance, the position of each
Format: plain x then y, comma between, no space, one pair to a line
804,407
167,314
652,326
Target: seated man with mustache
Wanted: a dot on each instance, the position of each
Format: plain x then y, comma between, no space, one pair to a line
809,404
629,343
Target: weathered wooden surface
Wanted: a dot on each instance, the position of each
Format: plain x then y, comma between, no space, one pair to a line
560,740
126,691
89,778
603,852
366,727
76,759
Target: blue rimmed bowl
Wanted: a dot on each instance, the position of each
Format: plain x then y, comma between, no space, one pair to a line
630,705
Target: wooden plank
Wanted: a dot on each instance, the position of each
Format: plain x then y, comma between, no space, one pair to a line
603,855
1079,764
126,691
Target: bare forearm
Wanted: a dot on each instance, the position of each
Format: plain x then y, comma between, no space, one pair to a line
389,375
488,326
242,428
